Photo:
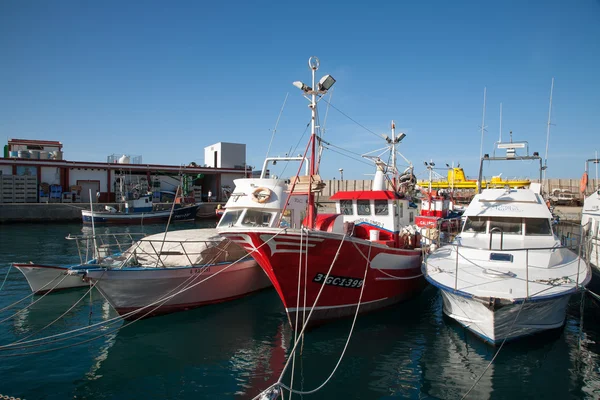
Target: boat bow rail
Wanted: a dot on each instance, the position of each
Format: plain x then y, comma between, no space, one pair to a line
505,263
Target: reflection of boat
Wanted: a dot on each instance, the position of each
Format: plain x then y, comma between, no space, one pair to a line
163,273
45,278
507,274
320,263
141,211
456,179
230,359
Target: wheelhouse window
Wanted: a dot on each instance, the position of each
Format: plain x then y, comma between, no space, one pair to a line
346,207
256,218
381,207
363,207
229,218
537,226
507,225
475,224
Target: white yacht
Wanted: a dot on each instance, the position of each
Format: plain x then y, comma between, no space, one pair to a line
506,275
590,221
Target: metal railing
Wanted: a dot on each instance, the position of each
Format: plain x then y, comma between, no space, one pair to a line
583,250
119,250
90,247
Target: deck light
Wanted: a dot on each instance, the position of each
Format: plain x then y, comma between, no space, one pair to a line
401,136
326,83
302,86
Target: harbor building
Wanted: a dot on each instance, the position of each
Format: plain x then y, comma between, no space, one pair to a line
36,171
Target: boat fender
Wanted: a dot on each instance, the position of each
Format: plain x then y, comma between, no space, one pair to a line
110,209
261,195
583,183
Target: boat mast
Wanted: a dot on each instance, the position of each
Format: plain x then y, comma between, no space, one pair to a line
548,133
482,124
322,87
313,63
395,171
500,140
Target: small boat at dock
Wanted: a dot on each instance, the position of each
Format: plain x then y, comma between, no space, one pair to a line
43,278
163,273
140,211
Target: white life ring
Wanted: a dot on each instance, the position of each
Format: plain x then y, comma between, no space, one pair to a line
261,195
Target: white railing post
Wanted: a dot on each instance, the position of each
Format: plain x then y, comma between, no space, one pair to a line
527,273
456,271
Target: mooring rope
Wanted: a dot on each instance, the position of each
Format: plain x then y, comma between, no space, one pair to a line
28,296
104,323
497,352
62,315
301,392
279,384
306,323
35,302
298,303
6,276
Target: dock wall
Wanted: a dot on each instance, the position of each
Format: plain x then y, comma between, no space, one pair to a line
68,212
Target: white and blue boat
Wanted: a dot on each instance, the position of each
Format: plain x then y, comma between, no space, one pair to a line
506,275
140,211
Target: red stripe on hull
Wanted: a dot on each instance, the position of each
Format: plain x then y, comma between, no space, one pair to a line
336,301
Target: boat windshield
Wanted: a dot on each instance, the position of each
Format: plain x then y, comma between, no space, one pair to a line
475,225
257,218
507,225
229,218
537,226
346,207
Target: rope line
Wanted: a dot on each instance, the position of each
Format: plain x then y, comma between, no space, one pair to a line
347,340
497,353
278,383
103,323
6,276
36,301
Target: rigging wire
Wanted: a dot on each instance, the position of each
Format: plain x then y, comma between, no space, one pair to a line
277,124
347,116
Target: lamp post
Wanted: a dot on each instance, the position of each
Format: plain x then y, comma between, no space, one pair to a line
341,174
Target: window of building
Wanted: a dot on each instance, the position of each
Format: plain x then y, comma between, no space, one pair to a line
363,207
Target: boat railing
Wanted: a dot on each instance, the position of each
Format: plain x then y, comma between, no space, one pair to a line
507,255
99,246
496,229
152,253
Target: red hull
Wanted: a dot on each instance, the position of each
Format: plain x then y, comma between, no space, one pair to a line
393,275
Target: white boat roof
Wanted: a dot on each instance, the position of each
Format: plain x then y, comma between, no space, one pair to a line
190,247
519,203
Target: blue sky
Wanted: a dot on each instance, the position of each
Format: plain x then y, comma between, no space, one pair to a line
166,79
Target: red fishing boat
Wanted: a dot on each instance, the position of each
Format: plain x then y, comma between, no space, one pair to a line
366,255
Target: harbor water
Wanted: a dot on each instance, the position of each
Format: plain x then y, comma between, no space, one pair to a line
236,349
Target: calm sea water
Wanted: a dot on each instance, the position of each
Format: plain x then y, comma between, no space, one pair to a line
234,350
